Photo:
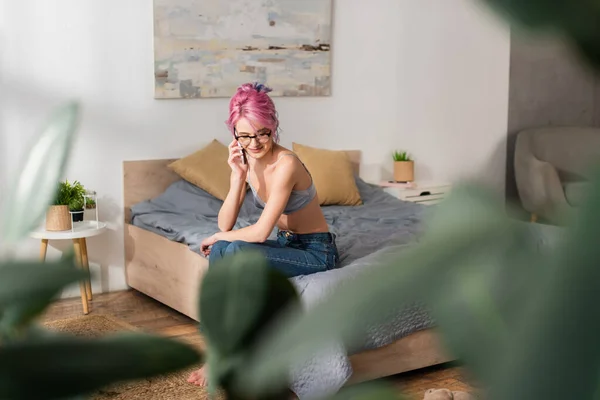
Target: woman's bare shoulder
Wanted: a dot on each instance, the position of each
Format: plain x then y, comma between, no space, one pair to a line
282,149
288,158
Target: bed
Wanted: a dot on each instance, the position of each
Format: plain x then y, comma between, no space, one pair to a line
161,260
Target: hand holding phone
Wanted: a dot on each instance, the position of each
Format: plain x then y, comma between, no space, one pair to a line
243,152
237,159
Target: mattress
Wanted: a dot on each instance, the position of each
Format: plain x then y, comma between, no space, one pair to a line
187,214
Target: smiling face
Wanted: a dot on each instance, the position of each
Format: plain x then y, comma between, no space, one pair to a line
256,139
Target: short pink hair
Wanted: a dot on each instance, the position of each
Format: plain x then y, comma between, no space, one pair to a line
252,102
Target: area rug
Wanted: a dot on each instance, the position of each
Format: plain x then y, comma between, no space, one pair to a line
170,386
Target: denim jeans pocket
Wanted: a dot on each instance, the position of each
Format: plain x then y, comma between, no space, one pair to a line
334,256
326,251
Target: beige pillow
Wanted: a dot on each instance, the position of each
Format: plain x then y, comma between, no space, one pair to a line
207,168
332,174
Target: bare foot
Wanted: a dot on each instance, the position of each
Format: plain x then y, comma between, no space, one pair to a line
199,377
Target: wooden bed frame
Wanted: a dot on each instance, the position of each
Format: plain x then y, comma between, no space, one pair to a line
170,273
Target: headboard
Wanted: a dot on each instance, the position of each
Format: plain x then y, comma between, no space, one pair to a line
145,179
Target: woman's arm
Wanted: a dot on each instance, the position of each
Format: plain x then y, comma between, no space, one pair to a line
283,183
237,188
231,206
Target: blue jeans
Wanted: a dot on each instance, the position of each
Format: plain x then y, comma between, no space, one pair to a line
291,254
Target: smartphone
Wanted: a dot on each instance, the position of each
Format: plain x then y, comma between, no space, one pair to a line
244,160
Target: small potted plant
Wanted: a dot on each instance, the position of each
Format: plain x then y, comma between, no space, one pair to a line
67,206
76,209
90,203
404,167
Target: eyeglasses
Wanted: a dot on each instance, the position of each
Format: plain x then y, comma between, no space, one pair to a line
261,137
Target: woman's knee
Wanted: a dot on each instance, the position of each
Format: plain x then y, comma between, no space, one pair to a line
224,248
220,246
218,250
236,246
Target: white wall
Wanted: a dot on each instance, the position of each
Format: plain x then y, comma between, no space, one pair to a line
3,144
453,76
430,76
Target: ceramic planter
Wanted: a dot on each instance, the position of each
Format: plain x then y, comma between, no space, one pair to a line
404,171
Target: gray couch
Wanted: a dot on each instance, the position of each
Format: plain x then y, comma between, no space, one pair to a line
552,167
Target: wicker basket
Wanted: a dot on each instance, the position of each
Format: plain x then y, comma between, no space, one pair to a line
58,218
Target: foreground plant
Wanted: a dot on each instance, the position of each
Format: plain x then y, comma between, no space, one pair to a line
240,300
507,309
39,364
575,21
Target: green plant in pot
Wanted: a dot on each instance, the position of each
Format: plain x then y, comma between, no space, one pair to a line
404,167
76,204
76,208
90,203
67,207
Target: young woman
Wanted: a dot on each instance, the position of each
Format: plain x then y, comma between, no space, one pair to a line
282,188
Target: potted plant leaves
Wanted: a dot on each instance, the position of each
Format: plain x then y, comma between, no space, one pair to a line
76,209
90,202
404,168
67,206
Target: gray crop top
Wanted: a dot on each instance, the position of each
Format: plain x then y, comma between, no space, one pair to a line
298,198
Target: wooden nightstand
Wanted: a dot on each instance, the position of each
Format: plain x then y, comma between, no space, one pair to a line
422,193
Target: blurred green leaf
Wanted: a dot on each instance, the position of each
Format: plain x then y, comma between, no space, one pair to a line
239,297
63,366
554,352
576,20
471,220
232,296
16,316
377,390
27,288
34,190
537,14
482,299
20,280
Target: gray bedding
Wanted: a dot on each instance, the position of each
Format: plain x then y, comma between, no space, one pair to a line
187,214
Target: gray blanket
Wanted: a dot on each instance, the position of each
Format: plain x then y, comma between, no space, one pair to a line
187,214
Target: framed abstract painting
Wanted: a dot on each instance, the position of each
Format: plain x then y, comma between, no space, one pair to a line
207,48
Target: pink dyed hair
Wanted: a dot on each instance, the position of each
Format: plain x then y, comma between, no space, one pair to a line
252,102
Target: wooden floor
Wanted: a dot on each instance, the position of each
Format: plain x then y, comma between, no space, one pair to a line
147,314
